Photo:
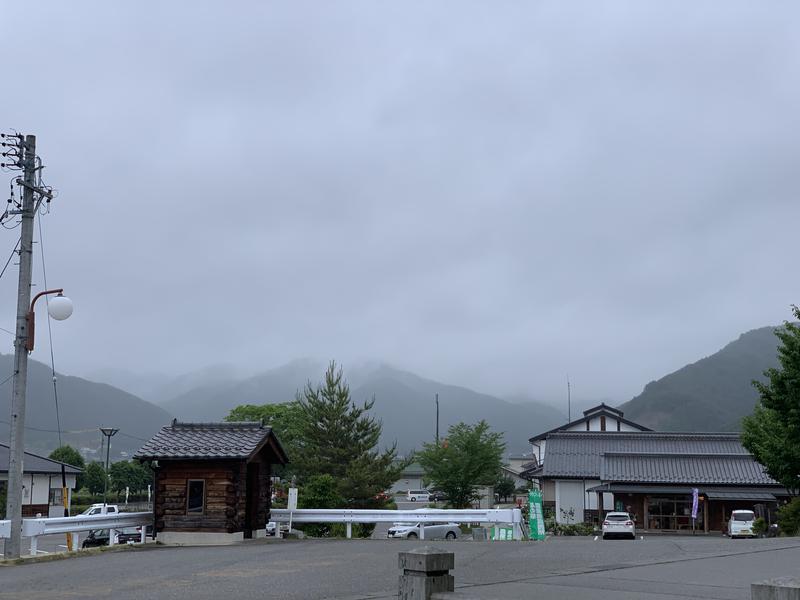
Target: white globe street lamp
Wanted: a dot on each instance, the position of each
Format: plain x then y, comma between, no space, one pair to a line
60,308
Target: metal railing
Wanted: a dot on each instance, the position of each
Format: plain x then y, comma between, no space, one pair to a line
34,528
495,516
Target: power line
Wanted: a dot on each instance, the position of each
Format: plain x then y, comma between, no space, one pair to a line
8,262
49,327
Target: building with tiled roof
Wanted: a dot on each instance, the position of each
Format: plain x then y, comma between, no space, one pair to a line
212,480
652,475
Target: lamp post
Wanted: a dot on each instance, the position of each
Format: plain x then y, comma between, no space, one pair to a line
59,309
108,432
23,149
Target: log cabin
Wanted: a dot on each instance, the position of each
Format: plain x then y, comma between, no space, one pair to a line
212,481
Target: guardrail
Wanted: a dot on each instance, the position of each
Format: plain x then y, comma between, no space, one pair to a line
496,516
33,528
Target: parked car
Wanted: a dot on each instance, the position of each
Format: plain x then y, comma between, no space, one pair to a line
419,496
101,509
272,528
618,524
100,537
410,531
741,524
438,496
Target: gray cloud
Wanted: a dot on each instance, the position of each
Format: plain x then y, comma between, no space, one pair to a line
493,195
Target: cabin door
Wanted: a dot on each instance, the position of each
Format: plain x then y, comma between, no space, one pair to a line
251,501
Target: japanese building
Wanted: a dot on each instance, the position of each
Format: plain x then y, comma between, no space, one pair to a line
212,480
652,475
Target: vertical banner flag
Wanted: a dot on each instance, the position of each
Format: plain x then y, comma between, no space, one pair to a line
535,515
695,492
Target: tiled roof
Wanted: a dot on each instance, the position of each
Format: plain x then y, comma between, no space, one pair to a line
598,410
733,469
207,441
33,463
578,454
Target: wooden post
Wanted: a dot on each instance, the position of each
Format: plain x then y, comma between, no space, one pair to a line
425,571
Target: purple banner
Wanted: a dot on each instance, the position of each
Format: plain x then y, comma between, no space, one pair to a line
695,492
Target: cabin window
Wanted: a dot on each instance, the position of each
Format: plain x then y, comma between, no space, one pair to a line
195,496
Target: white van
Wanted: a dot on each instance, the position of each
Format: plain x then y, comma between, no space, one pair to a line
419,495
741,524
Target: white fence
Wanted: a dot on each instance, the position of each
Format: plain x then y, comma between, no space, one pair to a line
496,516
33,528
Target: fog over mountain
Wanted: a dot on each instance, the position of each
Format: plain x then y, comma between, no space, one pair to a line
489,195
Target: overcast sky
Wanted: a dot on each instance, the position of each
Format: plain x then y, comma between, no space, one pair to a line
488,194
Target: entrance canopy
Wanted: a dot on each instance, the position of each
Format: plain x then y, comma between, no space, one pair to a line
731,493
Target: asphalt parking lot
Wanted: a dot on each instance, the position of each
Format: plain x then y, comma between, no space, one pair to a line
658,567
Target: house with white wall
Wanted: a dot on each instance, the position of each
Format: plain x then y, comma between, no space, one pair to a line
569,497
41,483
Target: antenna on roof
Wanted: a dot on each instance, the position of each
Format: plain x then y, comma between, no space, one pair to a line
569,401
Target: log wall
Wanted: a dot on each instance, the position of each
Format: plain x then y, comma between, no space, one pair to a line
225,495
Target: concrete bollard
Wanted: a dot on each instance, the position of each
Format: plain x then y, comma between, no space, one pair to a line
425,571
781,588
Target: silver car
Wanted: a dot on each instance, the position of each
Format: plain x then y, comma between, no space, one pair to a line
618,524
410,531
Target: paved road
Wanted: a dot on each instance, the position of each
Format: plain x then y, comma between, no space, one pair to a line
663,568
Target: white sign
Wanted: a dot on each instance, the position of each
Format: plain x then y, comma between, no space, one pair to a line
292,503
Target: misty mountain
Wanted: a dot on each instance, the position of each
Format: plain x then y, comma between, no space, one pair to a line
84,407
158,387
403,401
712,394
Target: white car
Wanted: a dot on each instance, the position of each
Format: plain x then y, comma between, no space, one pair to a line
618,524
272,528
101,509
741,524
410,531
419,496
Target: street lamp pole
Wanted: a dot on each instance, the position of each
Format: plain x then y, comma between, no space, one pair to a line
108,432
23,342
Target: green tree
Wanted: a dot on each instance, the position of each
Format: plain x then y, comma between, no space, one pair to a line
469,457
130,474
284,418
772,433
340,439
504,487
95,477
69,455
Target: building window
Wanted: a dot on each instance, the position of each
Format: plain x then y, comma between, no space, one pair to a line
195,496
55,497
587,425
602,422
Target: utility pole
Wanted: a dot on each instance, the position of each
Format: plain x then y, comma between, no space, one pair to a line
17,435
437,419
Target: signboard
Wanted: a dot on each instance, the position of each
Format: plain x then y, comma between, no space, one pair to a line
292,502
695,493
535,515
501,534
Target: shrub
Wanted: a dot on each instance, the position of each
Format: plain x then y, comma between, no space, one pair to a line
573,529
789,517
759,526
